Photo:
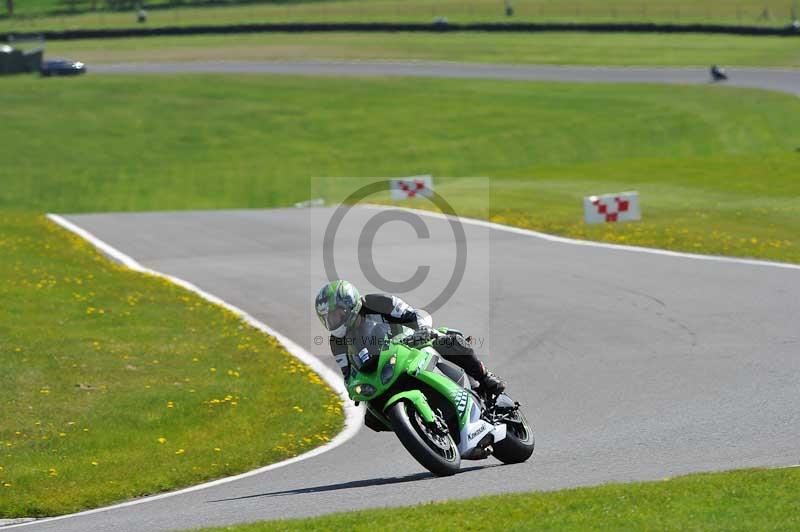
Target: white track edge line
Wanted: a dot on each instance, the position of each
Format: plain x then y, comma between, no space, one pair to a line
354,418
588,243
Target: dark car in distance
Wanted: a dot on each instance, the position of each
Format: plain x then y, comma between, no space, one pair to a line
62,67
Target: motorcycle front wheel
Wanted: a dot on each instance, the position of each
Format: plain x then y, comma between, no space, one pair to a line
436,452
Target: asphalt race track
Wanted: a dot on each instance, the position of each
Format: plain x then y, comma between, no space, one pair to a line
631,365
784,80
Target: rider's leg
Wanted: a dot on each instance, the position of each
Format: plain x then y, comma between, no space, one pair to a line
455,348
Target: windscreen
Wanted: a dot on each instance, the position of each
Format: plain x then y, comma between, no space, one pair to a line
370,335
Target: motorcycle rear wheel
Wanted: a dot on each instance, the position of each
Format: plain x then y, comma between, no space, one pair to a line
437,453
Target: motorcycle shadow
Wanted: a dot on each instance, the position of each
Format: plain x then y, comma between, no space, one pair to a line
371,482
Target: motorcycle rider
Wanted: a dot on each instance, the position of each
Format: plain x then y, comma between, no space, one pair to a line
343,311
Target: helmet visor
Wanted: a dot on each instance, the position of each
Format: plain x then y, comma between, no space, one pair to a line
335,318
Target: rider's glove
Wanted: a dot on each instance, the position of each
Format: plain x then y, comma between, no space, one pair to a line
421,336
433,334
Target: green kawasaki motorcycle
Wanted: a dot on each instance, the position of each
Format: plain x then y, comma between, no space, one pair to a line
430,404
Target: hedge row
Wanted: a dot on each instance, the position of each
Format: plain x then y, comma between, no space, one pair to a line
441,27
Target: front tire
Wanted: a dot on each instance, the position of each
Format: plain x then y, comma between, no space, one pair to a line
438,454
519,442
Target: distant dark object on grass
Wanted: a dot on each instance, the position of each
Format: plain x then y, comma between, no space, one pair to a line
16,61
62,67
141,16
718,73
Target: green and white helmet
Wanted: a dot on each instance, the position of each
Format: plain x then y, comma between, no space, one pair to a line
338,304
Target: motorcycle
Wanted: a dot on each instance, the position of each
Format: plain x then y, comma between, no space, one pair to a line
432,405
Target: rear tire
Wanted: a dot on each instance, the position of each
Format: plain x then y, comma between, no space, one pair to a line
519,442
410,430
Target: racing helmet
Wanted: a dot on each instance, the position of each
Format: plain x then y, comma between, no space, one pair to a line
337,305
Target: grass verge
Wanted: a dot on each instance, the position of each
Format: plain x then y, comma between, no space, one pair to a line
115,384
540,48
716,167
755,499
751,12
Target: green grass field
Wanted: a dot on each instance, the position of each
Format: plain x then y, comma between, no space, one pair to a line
716,167
762,12
540,48
736,501
115,384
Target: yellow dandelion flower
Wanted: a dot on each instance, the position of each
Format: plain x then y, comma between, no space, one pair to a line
180,451
297,408
170,404
213,370
62,434
52,472
94,462
161,439
215,448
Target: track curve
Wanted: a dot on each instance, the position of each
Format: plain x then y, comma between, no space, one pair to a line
632,366
783,80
